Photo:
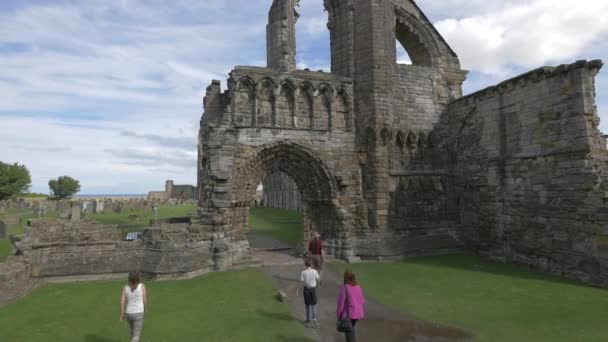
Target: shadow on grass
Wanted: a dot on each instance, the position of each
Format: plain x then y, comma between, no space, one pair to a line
276,316
293,339
95,338
474,263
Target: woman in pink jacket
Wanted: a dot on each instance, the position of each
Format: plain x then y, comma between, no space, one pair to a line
355,300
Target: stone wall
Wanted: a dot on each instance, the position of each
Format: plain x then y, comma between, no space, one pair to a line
55,248
15,280
530,171
174,191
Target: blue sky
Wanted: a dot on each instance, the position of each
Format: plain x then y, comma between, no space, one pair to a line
110,92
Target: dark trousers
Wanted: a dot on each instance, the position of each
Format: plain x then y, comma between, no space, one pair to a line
350,336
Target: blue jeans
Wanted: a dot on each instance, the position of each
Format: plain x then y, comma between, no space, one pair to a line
311,312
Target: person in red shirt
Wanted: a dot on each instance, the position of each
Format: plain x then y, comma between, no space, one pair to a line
316,252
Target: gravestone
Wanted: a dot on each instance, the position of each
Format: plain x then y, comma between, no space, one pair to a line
64,209
2,229
99,207
51,206
75,217
118,208
92,207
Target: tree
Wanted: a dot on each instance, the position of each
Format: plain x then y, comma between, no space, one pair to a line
64,186
14,179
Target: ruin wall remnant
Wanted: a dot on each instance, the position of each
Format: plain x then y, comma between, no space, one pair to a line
530,171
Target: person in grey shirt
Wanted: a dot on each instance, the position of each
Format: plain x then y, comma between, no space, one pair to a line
309,281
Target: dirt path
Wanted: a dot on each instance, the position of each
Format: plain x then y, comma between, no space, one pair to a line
381,323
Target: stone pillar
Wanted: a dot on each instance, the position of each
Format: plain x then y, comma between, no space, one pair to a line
281,35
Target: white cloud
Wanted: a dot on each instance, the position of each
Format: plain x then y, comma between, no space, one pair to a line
111,92
526,34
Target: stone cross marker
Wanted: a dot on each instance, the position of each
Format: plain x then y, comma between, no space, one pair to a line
2,229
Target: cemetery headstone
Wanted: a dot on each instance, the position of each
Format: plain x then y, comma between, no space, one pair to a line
64,209
118,208
99,207
51,206
75,217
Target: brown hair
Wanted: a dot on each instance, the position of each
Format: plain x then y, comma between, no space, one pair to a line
134,280
349,278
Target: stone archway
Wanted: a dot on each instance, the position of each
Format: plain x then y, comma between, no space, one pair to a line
314,179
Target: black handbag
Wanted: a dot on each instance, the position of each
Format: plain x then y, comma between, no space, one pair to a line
344,324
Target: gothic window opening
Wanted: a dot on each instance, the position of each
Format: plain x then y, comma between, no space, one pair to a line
312,37
409,48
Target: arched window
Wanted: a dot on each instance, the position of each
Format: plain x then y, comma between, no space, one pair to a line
312,37
410,49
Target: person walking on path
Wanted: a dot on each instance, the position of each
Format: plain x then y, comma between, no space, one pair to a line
309,281
133,302
316,251
350,304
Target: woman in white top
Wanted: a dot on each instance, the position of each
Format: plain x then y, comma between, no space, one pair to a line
135,299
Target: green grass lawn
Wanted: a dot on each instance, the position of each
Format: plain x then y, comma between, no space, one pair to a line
282,224
232,306
495,302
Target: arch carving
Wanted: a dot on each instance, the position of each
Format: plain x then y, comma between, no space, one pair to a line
305,105
243,107
265,103
286,105
416,39
323,104
299,162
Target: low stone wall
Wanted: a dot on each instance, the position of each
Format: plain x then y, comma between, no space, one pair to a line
15,280
53,250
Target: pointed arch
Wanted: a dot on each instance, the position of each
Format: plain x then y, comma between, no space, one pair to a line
400,140
411,34
422,139
411,140
305,105
265,99
286,104
243,107
322,112
342,113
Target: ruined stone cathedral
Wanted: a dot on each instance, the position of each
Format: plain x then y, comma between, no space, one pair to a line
391,160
